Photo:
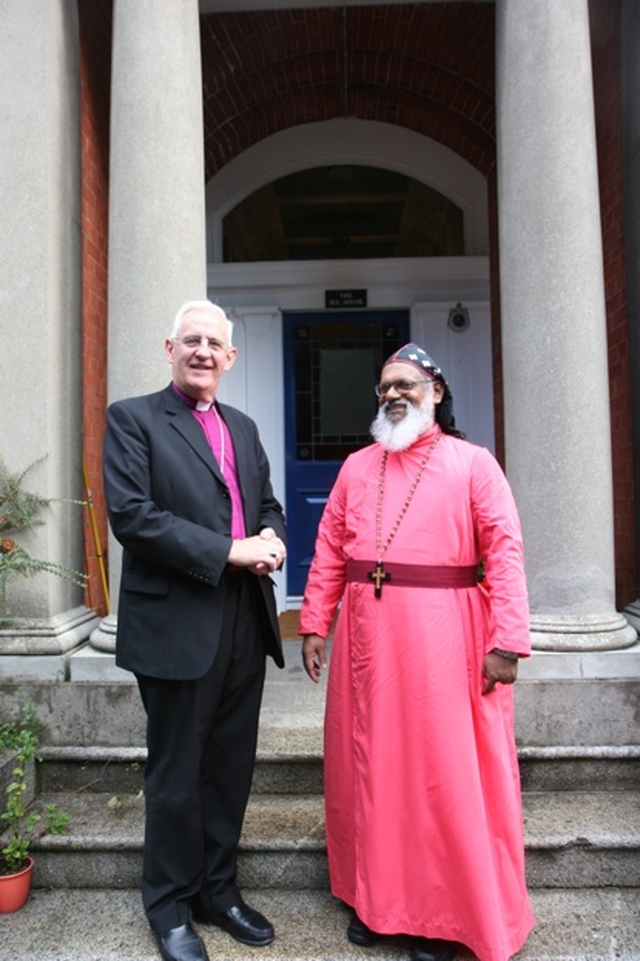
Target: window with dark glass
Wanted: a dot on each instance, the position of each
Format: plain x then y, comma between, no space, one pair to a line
343,212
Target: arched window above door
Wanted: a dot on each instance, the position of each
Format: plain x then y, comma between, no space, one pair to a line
342,211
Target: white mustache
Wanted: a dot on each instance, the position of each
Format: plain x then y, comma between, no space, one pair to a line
388,404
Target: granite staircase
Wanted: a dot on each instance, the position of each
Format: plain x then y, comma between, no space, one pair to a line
582,825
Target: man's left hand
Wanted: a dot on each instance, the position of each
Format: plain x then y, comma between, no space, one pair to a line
261,553
497,670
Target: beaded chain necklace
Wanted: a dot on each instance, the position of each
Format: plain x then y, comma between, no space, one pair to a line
379,575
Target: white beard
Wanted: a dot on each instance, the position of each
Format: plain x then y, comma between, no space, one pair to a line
417,421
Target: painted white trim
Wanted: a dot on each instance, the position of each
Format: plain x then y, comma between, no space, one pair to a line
397,283
350,141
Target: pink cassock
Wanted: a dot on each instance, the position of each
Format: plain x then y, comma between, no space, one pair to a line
422,791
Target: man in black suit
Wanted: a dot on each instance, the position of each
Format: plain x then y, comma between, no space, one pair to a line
190,500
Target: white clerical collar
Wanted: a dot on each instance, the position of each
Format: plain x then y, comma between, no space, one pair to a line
204,404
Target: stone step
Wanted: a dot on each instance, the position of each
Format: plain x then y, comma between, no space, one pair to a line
580,768
573,839
289,761
282,844
588,924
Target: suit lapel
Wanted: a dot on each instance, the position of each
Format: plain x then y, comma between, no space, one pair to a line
182,420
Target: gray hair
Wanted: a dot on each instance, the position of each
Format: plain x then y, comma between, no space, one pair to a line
214,309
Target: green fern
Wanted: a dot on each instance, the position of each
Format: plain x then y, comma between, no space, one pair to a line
20,510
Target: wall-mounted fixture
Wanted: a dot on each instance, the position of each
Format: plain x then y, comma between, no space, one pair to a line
458,319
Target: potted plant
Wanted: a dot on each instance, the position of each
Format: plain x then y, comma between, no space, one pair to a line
21,824
20,510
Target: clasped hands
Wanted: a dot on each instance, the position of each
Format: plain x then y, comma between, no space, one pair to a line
261,553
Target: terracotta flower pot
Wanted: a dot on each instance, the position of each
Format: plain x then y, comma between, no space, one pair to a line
14,889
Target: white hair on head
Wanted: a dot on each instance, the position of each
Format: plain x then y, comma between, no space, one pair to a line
214,309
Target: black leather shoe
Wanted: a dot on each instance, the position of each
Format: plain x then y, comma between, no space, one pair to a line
181,944
243,923
359,933
432,949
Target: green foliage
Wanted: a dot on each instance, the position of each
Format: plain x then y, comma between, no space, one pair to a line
21,736
22,825
20,510
117,805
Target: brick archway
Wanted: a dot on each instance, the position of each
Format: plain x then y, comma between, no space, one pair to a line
429,68
351,141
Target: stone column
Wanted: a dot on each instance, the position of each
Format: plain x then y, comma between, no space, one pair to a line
157,255
40,297
553,323
630,80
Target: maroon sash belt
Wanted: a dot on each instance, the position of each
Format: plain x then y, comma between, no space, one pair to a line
415,575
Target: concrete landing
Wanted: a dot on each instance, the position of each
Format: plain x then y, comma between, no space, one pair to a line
586,925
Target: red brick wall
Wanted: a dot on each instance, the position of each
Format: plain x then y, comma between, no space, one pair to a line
605,33
95,70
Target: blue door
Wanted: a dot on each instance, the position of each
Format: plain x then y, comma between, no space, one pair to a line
332,361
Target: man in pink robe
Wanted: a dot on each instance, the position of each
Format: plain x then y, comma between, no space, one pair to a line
422,793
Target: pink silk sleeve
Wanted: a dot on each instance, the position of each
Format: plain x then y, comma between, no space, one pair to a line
501,548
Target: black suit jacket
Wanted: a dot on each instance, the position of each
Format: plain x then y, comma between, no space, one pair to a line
170,508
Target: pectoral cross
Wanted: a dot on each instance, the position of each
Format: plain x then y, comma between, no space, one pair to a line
379,575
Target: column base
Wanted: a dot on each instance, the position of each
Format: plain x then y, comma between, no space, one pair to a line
39,649
632,613
48,635
581,632
104,637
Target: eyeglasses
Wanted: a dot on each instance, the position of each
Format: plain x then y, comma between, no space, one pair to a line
193,341
400,386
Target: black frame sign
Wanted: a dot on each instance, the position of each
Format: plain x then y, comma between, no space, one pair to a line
344,299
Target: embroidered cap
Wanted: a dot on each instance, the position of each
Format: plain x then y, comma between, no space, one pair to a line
420,359
412,354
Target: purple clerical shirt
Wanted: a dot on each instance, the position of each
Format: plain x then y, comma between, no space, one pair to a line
221,443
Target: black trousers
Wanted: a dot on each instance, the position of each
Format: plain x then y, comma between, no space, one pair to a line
201,740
